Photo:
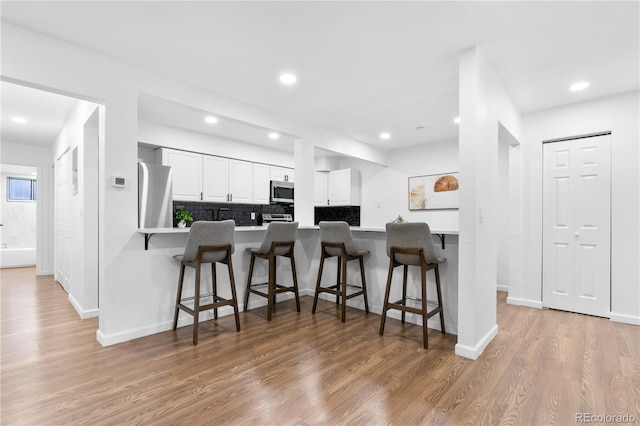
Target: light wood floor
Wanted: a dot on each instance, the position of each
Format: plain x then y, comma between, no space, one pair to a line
542,368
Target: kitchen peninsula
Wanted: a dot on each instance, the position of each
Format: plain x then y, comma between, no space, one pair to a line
170,241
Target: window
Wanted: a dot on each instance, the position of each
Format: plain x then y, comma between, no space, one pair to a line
21,189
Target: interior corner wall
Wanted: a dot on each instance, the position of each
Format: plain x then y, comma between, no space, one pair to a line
392,181
618,114
483,104
40,157
83,289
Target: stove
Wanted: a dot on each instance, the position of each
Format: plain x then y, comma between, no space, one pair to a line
276,217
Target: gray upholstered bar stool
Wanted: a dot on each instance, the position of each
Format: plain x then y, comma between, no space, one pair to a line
279,240
336,240
208,242
411,244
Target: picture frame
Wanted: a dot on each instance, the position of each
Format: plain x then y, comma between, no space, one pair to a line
434,192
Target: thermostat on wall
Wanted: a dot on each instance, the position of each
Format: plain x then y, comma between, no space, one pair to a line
118,181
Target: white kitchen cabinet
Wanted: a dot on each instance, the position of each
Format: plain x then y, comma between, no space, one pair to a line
282,174
186,170
344,187
215,185
337,188
320,189
240,181
200,177
261,178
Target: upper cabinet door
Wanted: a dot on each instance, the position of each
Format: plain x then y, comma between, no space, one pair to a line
282,174
320,189
240,181
215,179
186,169
344,187
261,177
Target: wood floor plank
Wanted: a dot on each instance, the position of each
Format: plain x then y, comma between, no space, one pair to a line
302,369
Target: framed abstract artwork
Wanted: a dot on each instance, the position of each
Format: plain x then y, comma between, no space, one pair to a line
431,192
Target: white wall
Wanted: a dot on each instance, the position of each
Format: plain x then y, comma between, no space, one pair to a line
171,137
484,105
385,189
83,288
619,114
40,158
131,297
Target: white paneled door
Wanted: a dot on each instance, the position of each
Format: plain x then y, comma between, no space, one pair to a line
576,225
63,199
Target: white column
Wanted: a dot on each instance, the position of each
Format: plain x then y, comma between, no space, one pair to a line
304,152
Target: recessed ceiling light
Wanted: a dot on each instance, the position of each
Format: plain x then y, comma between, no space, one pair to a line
579,86
288,79
20,120
274,135
211,119
456,120
385,135
421,127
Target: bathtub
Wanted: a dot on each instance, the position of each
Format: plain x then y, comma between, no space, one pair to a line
16,257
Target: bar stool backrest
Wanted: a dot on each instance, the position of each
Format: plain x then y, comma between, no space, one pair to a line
279,232
337,232
411,235
207,233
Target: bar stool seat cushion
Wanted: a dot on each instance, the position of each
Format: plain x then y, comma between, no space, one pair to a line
413,235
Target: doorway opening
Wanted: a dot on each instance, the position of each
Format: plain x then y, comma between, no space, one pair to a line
508,211
59,136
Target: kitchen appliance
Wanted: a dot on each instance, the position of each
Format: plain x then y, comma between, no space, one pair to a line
155,202
281,192
276,217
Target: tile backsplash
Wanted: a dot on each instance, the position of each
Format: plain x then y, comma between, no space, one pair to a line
241,213
349,214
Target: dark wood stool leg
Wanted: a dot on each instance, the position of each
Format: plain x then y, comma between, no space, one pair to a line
338,276
249,276
423,273
344,287
439,291
214,288
196,305
295,280
271,286
364,284
404,290
179,296
234,297
385,306
315,297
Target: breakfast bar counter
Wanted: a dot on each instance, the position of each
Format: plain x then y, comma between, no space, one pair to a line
307,256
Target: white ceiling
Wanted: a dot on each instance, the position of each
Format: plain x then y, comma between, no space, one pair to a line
363,67
46,114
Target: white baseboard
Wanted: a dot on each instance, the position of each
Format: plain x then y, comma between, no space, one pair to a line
627,319
183,320
501,287
473,352
83,313
524,302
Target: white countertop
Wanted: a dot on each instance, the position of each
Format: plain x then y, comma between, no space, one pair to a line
263,228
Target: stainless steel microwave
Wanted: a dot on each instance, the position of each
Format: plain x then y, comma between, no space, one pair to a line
281,192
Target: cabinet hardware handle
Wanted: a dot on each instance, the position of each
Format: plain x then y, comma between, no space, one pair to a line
201,197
